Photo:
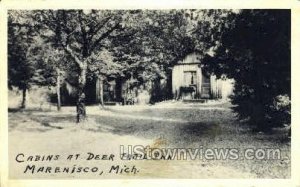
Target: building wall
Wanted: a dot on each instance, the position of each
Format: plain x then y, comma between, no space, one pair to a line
221,88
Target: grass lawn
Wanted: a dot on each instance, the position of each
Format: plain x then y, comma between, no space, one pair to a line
176,125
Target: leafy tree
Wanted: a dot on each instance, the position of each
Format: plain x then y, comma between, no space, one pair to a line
82,35
20,69
254,49
50,66
160,39
31,61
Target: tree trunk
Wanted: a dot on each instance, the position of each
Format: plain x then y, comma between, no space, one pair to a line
81,111
23,104
82,65
101,91
58,89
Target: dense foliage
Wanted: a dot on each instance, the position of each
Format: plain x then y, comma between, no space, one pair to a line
250,46
254,49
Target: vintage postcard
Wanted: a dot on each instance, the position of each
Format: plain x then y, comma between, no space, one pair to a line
178,93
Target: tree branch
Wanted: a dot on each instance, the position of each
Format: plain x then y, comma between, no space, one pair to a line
98,27
104,35
74,56
84,36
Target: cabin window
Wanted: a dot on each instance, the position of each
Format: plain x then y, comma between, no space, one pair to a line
190,78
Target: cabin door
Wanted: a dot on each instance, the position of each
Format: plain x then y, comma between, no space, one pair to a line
190,86
205,87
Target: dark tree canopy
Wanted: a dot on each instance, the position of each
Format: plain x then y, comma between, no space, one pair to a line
20,69
254,49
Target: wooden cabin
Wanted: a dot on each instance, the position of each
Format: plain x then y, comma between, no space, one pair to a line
113,91
189,81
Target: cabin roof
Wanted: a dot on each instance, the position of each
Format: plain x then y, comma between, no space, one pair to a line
190,59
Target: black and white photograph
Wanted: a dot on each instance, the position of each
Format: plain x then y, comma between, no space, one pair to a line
149,93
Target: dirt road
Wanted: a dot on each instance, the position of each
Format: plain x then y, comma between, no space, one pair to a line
166,125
